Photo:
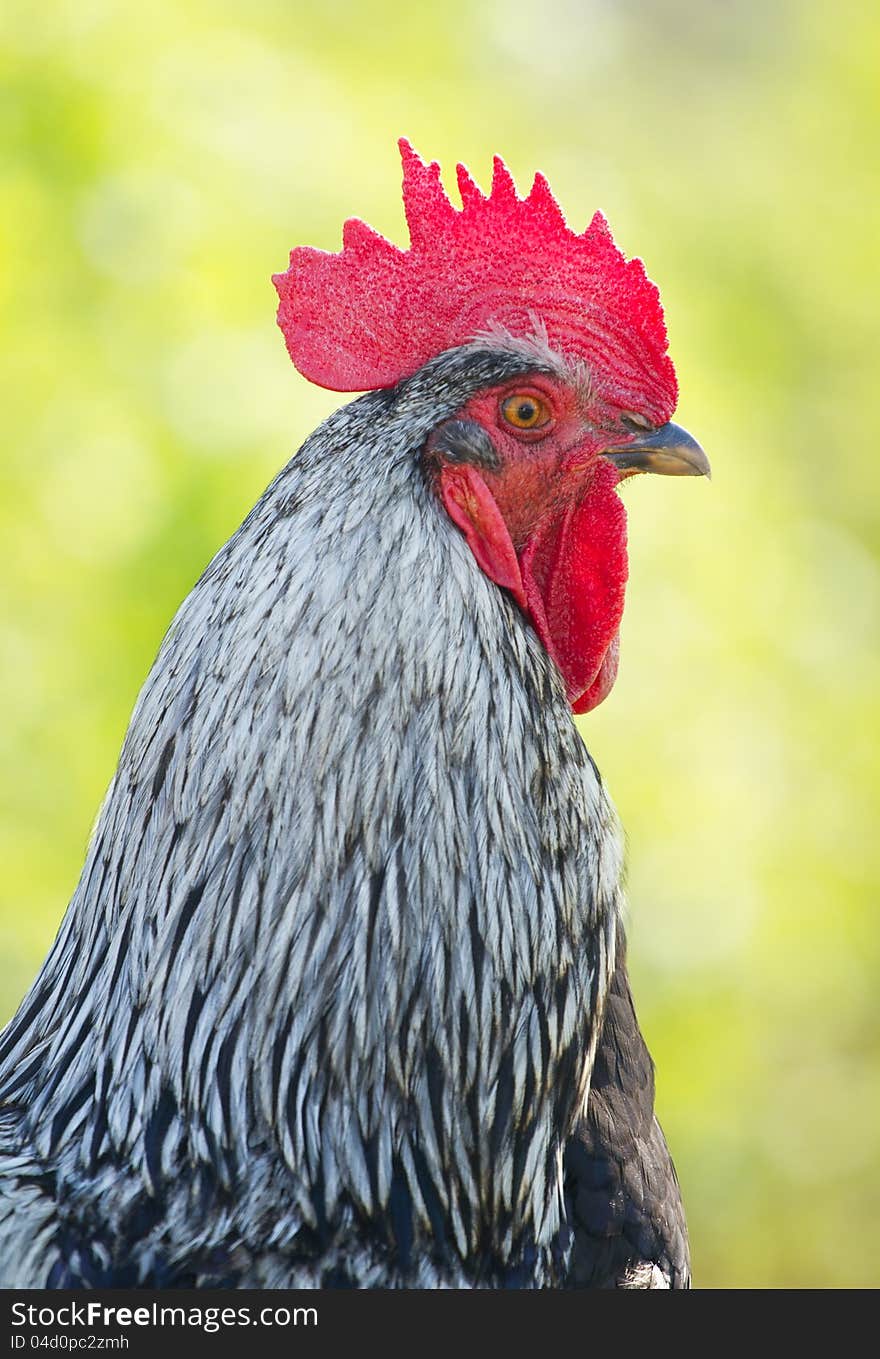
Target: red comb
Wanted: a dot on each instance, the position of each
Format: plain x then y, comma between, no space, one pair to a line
373,314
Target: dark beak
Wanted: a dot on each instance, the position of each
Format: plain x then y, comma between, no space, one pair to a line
670,451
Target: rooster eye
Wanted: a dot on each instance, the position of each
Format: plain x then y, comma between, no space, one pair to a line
525,411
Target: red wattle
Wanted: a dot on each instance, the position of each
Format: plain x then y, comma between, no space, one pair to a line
604,681
570,577
574,570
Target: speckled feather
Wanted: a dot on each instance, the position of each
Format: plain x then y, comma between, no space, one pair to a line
325,1003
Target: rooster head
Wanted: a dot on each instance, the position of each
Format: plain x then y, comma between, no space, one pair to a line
527,469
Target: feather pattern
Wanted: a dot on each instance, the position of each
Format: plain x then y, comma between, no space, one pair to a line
334,973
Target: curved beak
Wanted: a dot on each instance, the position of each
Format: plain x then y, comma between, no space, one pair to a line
669,451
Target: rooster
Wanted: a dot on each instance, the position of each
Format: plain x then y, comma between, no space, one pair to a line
341,996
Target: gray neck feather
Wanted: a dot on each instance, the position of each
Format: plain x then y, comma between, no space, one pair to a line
350,902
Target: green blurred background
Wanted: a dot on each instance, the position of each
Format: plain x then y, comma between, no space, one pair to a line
157,164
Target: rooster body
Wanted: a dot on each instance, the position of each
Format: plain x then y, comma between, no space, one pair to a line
347,946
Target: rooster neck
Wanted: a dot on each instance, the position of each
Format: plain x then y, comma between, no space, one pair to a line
349,913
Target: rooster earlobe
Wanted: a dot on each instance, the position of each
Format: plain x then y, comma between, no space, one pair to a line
472,508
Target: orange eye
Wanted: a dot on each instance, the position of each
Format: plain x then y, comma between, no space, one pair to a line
524,410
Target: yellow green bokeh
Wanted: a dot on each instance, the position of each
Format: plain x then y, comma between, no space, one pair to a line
156,164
